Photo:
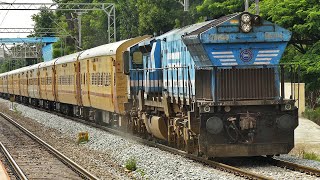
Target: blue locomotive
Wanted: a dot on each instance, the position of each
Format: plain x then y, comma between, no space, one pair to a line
215,88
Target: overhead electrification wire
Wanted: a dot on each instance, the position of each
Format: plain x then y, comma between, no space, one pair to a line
6,12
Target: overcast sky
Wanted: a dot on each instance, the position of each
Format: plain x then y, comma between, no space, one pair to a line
17,19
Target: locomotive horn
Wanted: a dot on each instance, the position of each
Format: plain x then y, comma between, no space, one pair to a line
257,7
246,6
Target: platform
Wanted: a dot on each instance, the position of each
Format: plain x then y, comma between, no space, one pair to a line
3,172
307,136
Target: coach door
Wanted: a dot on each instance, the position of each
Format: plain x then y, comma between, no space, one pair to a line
78,82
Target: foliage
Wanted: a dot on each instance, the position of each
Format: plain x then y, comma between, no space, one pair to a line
313,114
11,64
213,9
131,164
311,156
310,71
302,18
299,16
133,18
142,173
44,19
128,18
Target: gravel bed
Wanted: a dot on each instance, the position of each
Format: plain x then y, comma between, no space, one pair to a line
303,162
260,167
97,163
152,163
7,167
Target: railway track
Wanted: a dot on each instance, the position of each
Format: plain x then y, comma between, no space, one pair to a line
292,166
269,164
36,158
12,168
215,164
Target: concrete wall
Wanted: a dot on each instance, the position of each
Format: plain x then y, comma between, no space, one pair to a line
301,103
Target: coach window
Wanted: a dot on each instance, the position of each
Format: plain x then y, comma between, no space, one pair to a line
98,78
92,78
103,79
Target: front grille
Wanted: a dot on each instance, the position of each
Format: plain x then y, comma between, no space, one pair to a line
246,84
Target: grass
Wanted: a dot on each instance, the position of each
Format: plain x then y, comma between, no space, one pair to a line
311,156
305,152
142,173
131,164
313,115
16,110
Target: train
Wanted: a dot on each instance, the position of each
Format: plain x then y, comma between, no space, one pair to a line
215,88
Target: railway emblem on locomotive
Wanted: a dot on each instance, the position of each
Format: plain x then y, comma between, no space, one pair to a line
246,55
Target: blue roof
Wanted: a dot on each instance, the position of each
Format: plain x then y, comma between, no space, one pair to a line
29,40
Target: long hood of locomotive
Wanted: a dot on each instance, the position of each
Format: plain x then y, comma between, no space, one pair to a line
225,44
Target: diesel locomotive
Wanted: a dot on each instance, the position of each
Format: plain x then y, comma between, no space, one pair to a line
214,88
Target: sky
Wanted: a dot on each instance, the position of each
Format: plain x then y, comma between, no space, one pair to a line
17,19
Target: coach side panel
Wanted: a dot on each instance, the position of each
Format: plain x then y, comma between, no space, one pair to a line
43,83
66,83
96,82
5,84
24,83
1,84
10,84
16,83
50,83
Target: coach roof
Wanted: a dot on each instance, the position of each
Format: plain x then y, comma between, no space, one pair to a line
103,50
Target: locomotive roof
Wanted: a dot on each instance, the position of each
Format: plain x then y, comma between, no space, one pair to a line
177,33
106,49
212,23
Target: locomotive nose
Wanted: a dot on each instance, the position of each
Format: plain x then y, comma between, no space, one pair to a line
237,39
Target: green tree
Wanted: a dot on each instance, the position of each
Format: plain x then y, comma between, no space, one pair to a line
44,19
127,18
213,9
302,17
163,15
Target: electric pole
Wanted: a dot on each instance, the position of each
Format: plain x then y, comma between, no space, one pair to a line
185,4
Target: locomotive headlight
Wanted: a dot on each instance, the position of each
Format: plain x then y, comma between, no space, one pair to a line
285,121
246,28
214,125
246,18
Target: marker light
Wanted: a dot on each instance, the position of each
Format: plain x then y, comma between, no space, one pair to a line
246,28
246,18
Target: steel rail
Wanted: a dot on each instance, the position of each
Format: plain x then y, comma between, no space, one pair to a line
214,164
13,163
292,166
83,172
